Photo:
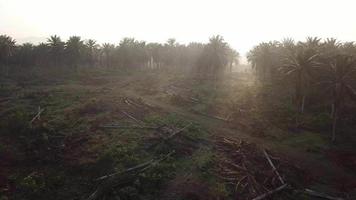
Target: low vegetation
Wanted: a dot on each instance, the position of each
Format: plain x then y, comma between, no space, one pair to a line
171,121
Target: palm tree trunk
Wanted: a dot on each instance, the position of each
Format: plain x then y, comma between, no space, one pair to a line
298,98
7,70
332,110
303,103
334,124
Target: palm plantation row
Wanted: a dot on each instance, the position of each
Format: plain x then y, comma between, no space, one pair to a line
129,54
321,74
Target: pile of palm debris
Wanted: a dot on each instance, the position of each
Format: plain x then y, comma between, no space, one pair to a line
255,174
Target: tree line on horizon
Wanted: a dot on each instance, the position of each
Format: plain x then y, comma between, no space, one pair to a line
208,59
320,73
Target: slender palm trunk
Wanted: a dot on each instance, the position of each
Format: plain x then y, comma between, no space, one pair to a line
298,98
303,103
332,110
335,116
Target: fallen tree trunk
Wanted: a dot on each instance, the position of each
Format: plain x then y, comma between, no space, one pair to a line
139,122
177,132
172,135
132,169
321,195
273,167
123,178
37,116
128,127
211,116
129,102
269,193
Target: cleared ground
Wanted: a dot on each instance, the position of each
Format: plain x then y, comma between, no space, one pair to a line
204,141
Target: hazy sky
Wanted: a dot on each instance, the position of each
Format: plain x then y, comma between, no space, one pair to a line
243,23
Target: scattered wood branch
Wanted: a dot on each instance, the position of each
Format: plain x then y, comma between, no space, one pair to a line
269,193
106,186
177,132
321,195
273,167
239,182
242,164
6,99
211,116
124,178
139,122
172,135
244,161
129,102
148,105
132,169
128,127
38,115
194,99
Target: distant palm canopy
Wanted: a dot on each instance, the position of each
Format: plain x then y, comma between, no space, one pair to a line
208,59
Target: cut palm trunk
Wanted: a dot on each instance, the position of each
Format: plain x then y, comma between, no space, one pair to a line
273,167
269,193
124,178
139,122
321,195
37,116
334,125
128,127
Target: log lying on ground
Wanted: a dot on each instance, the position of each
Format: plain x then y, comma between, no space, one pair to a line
172,135
273,167
129,102
321,195
177,132
139,122
194,99
124,178
37,116
129,170
128,127
269,193
211,116
6,99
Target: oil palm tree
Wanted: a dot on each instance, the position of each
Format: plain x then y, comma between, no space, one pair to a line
91,50
218,55
233,58
7,47
288,44
213,59
339,74
329,48
299,63
25,55
264,58
312,42
41,54
348,48
56,48
107,54
154,54
74,50
171,42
